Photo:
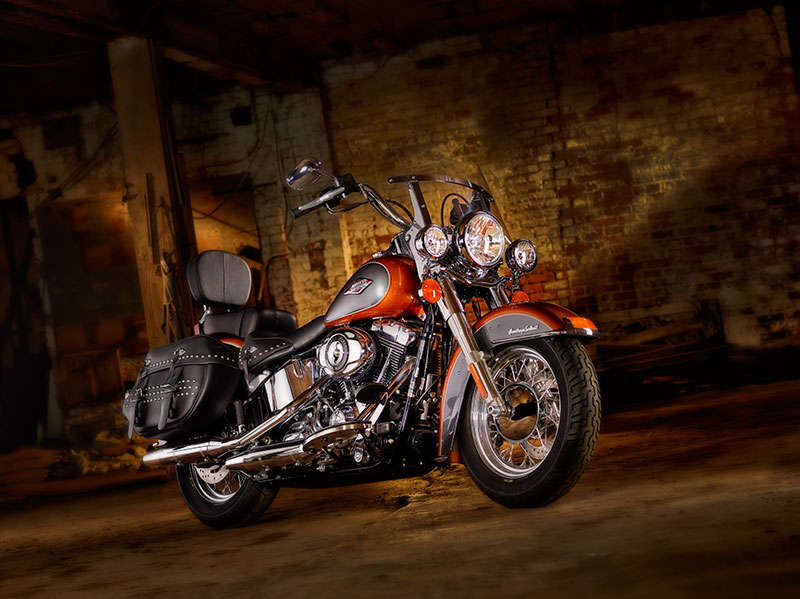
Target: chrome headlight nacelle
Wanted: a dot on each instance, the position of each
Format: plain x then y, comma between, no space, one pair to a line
480,239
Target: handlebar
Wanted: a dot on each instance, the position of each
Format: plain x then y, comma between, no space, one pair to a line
317,202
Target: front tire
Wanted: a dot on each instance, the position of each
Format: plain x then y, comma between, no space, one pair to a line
537,454
224,500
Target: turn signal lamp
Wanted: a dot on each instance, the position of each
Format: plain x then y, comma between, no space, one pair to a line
431,292
579,322
520,296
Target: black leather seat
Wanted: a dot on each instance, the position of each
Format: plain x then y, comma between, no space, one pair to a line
222,280
263,350
243,322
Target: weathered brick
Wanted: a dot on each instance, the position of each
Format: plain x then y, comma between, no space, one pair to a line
660,155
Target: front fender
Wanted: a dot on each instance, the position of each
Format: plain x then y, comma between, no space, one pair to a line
512,322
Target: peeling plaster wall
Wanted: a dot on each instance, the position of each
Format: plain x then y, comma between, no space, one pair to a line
655,168
240,141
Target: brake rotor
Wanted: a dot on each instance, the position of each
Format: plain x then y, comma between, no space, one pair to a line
213,474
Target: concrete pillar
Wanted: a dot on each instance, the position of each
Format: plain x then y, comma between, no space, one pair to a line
157,200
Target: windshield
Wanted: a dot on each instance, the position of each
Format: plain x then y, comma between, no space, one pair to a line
454,205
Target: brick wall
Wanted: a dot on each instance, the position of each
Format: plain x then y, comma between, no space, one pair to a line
313,242
247,139
218,142
654,168
304,256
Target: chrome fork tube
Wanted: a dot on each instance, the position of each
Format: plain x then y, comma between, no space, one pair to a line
456,319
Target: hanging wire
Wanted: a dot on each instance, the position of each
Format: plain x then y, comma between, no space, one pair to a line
251,153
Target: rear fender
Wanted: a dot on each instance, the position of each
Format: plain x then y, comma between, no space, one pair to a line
512,322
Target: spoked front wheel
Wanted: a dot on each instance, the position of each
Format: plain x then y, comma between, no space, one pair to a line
222,498
539,449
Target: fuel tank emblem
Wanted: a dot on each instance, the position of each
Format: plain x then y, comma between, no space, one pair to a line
358,286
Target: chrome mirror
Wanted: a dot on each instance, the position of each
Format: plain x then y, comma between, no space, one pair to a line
306,173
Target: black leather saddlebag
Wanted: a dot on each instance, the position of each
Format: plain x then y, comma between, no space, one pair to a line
182,388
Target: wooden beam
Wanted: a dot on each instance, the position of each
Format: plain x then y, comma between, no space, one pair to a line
161,222
20,15
215,49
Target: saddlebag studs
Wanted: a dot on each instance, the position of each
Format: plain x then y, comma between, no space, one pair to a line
182,388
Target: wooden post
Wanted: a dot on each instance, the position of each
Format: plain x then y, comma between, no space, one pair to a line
161,218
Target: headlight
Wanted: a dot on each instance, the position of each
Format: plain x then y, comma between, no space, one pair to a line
521,255
433,240
481,239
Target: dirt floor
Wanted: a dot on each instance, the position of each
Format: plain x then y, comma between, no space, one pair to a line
697,496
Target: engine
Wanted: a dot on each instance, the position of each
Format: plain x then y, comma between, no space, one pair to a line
359,362
346,353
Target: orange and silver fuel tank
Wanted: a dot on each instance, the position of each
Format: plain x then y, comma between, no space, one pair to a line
382,288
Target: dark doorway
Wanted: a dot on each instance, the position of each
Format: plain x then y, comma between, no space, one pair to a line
25,361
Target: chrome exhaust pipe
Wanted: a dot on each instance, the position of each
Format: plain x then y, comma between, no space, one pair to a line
273,456
183,455
169,456
298,454
269,458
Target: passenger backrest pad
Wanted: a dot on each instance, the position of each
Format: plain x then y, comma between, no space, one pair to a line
218,278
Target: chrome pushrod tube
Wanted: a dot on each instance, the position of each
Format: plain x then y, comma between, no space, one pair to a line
198,451
453,313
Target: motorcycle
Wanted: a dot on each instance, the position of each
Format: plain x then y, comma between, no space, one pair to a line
392,381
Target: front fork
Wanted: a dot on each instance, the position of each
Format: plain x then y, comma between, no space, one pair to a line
453,313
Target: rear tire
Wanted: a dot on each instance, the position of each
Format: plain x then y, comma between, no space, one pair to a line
236,500
537,455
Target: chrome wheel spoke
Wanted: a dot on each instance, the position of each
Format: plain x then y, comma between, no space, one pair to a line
521,367
507,452
547,414
530,453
